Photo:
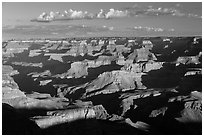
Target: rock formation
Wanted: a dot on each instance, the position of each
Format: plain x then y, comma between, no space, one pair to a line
110,82
143,67
46,73
58,117
34,53
25,64
77,70
45,82
188,60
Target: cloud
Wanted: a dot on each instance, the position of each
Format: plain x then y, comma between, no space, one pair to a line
101,14
74,14
135,10
116,13
70,14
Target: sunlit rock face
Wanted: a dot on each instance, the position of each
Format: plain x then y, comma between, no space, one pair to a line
13,47
34,53
46,73
143,67
16,47
59,117
188,60
192,111
10,88
191,73
110,82
28,64
101,60
140,55
78,69
128,99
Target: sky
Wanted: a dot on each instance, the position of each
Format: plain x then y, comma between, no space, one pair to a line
64,19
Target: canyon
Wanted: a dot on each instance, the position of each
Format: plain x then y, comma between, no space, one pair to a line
105,85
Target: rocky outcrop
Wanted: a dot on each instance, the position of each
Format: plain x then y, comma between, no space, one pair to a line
101,112
110,82
117,49
188,60
57,57
33,103
128,98
10,88
138,125
192,111
82,49
141,55
34,53
101,60
8,70
143,67
80,69
25,64
157,112
44,74
16,47
58,117
77,70
45,82
195,72
37,95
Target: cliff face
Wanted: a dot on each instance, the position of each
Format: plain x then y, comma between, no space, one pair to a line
143,67
16,47
77,70
110,82
188,60
28,64
143,54
10,88
80,69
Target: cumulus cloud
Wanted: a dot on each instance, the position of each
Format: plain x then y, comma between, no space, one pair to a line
101,14
74,14
70,14
44,16
116,13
